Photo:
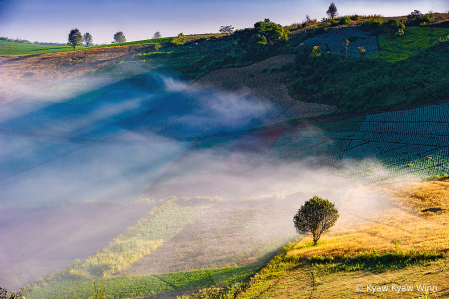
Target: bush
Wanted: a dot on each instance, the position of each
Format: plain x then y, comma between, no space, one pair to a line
319,259
393,27
345,20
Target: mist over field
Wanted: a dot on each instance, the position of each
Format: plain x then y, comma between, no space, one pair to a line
69,149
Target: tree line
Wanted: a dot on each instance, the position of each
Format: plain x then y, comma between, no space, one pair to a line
77,39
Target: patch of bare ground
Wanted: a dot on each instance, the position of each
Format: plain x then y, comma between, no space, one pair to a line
21,75
265,81
35,242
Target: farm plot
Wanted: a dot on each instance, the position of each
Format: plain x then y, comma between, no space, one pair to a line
265,82
230,233
335,39
392,145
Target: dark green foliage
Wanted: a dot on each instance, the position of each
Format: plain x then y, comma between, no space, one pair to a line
332,11
365,84
264,40
226,29
75,38
416,18
319,259
393,27
316,216
87,38
119,37
374,261
14,295
267,34
345,20
371,25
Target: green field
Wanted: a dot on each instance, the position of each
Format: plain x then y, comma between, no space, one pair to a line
13,48
414,40
158,286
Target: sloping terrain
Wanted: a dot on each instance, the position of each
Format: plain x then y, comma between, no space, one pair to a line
401,241
265,80
23,75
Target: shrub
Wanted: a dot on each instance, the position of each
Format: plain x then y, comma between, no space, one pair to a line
345,20
393,27
319,259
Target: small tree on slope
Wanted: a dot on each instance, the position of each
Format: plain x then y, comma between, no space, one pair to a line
316,216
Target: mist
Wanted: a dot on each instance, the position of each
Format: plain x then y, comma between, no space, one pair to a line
73,168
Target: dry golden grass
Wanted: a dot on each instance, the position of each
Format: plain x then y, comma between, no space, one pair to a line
404,219
374,219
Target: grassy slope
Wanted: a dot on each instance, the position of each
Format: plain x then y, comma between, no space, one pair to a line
14,48
414,40
402,244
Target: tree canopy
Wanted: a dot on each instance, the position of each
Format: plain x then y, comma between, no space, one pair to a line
268,33
332,11
87,38
226,29
75,38
119,37
157,34
316,216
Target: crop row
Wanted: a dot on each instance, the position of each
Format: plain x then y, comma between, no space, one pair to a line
432,113
336,39
415,128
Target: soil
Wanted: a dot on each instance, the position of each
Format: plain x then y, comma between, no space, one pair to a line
22,75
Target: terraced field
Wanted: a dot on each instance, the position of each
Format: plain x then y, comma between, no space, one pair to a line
335,39
387,146
266,81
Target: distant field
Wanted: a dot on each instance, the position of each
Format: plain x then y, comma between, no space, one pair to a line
13,48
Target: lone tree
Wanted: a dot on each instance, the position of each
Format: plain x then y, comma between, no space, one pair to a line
316,216
119,37
157,34
226,29
87,38
75,38
332,11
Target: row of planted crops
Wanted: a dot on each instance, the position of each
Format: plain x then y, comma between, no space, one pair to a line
388,146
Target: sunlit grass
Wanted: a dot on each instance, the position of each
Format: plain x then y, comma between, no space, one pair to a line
167,284
398,244
415,39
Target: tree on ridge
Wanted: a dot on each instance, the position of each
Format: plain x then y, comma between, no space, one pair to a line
119,37
332,11
75,38
87,38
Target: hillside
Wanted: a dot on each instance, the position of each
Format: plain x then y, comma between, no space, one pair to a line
204,147
399,242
